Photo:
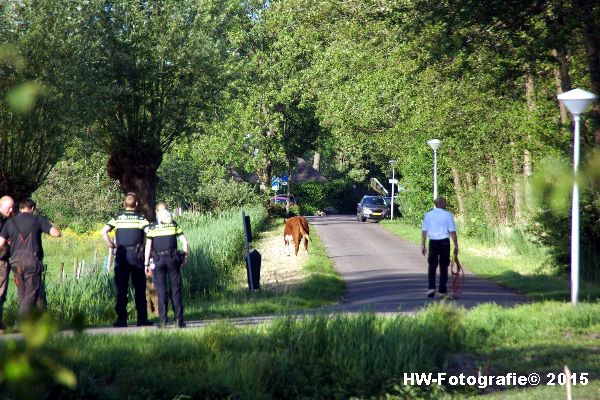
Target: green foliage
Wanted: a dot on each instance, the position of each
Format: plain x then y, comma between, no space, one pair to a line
184,184
509,257
216,249
221,195
278,210
78,194
313,357
33,107
341,356
341,194
28,369
551,223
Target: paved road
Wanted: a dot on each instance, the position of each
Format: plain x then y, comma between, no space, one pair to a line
387,274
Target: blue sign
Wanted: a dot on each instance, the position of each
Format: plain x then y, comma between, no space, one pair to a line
275,183
284,179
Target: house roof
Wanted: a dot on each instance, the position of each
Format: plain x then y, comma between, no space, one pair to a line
303,172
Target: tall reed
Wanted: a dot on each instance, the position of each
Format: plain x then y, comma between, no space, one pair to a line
216,249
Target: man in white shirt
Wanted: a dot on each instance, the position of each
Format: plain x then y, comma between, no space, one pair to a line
439,225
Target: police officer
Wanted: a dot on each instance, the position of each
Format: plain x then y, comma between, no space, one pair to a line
26,253
439,226
6,209
128,246
161,243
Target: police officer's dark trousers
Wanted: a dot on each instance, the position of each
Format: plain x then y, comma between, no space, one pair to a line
167,265
127,264
439,253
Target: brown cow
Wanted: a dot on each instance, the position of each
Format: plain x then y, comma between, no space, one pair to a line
296,229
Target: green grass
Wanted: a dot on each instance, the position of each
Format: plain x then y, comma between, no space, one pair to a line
509,261
336,356
323,286
212,280
70,249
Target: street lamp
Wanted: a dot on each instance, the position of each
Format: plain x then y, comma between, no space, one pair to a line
393,181
434,144
577,101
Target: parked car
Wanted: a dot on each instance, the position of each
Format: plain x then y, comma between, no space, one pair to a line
372,207
282,199
397,212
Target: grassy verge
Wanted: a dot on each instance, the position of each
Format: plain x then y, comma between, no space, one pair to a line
321,286
213,281
71,249
362,356
512,265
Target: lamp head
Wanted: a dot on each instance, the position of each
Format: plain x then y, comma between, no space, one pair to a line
577,101
434,143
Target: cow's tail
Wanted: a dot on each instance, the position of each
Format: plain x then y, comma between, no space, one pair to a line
304,230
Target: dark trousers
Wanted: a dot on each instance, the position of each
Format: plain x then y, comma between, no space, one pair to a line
167,265
4,276
127,265
30,285
439,253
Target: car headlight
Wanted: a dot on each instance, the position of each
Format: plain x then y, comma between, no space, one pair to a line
367,211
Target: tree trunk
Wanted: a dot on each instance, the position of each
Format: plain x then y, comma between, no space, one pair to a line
518,184
489,196
264,175
470,185
527,160
459,192
136,172
555,20
592,43
500,193
563,82
317,161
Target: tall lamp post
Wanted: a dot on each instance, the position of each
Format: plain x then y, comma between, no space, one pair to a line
434,144
577,101
392,181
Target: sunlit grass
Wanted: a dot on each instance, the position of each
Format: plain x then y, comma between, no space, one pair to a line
340,356
213,281
509,261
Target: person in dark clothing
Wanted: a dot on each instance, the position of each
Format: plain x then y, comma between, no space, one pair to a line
128,247
161,244
438,225
24,231
6,208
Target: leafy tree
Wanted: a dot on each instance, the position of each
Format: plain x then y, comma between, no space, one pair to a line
34,110
150,72
78,192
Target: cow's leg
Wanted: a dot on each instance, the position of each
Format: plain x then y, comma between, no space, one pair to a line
297,242
287,240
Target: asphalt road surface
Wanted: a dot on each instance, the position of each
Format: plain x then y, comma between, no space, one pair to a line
386,274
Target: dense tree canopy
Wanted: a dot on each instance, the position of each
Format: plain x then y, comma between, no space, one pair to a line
251,85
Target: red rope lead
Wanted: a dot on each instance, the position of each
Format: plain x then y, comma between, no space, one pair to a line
458,276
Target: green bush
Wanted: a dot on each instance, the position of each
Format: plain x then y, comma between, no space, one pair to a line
552,228
78,193
278,210
341,194
220,195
